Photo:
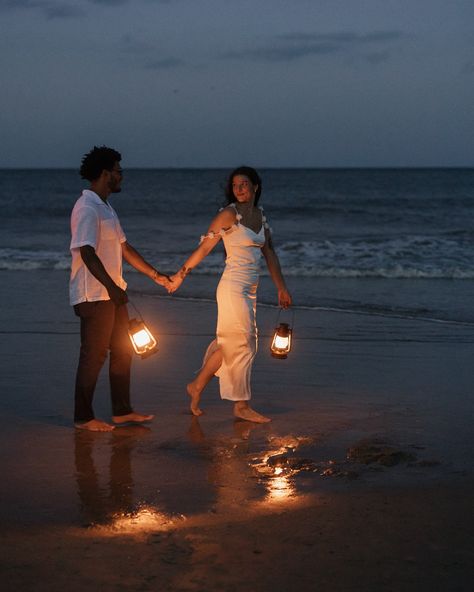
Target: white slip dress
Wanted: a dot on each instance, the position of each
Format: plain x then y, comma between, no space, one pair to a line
236,293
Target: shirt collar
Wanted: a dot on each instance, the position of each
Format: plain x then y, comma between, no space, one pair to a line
92,195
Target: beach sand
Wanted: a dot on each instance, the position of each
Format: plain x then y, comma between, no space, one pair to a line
363,480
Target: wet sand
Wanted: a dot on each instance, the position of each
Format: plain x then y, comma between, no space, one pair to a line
363,480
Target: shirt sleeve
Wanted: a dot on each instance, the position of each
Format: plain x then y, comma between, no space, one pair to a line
121,233
85,228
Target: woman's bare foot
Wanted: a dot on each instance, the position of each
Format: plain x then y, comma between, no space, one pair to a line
132,418
95,425
243,411
195,395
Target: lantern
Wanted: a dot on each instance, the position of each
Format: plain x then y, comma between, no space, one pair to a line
142,340
282,337
281,343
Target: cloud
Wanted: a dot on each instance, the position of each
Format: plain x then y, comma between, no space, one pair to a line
56,11
119,2
377,57
146,52
294,46
468,67
20,4
109,2
49,8
164,64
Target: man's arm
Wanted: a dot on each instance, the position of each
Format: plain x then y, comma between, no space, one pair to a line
133,257
95,266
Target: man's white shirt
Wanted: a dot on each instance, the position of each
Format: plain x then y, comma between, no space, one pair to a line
94,223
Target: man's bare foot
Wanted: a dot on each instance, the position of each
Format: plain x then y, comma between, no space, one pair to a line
132,418
95,425
195,399
247,413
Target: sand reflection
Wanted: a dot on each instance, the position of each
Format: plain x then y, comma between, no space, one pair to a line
105,495
247,477
246,471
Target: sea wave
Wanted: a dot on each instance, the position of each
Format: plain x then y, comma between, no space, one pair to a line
420,256
411,257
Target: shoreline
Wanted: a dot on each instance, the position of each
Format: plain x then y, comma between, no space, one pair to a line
217,504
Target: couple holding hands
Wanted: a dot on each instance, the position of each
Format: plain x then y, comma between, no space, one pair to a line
97,292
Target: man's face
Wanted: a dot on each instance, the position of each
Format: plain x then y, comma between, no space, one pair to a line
115,178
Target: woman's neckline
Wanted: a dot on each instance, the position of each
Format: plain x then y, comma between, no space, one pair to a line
239,219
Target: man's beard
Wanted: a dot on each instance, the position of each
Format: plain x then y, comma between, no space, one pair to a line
115,188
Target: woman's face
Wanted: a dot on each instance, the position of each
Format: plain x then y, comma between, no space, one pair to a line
243,188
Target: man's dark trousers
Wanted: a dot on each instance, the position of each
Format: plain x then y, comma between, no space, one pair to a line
104,327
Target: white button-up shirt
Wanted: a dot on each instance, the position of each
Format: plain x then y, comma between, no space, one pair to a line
95,223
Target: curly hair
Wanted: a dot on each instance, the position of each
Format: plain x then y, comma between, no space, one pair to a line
98,159
246,171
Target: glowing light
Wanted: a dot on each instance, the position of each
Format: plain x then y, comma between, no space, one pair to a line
146,519
142,340
280,488
281,342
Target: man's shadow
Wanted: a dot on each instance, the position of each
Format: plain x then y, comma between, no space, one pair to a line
101,499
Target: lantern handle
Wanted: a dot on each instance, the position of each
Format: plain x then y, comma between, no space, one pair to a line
136,309
292,316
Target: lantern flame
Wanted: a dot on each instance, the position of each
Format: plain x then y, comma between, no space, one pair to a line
281,342
141,338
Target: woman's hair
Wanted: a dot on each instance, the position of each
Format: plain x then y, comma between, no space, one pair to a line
246,171
98,159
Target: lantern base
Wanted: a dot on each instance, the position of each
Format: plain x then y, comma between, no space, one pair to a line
279,356
148,353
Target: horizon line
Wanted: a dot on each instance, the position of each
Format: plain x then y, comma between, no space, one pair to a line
259,167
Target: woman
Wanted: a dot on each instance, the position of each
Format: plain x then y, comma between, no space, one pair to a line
246,234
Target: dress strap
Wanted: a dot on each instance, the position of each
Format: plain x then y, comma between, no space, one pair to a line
223,231
264,220
238,216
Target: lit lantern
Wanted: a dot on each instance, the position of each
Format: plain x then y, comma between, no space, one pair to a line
142,340
281,343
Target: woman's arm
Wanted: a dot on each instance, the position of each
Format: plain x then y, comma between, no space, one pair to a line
223,220
273,264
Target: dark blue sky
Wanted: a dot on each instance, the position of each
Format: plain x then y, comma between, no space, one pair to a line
221,82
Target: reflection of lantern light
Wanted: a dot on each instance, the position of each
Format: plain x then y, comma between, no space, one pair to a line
281,343
280,488
142,340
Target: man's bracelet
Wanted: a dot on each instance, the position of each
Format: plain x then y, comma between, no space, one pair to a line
155,275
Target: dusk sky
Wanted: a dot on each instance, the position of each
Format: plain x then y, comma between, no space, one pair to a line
216,83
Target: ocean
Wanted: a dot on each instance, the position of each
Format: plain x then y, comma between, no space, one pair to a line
391,242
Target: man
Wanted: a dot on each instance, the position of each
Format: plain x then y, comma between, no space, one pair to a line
97,291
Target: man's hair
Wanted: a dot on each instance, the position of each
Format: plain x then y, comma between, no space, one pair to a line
98,159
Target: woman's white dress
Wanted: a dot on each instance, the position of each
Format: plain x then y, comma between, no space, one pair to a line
236,333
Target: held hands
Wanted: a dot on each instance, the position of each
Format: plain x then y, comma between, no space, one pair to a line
178,278
163,280
284,298
176,281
